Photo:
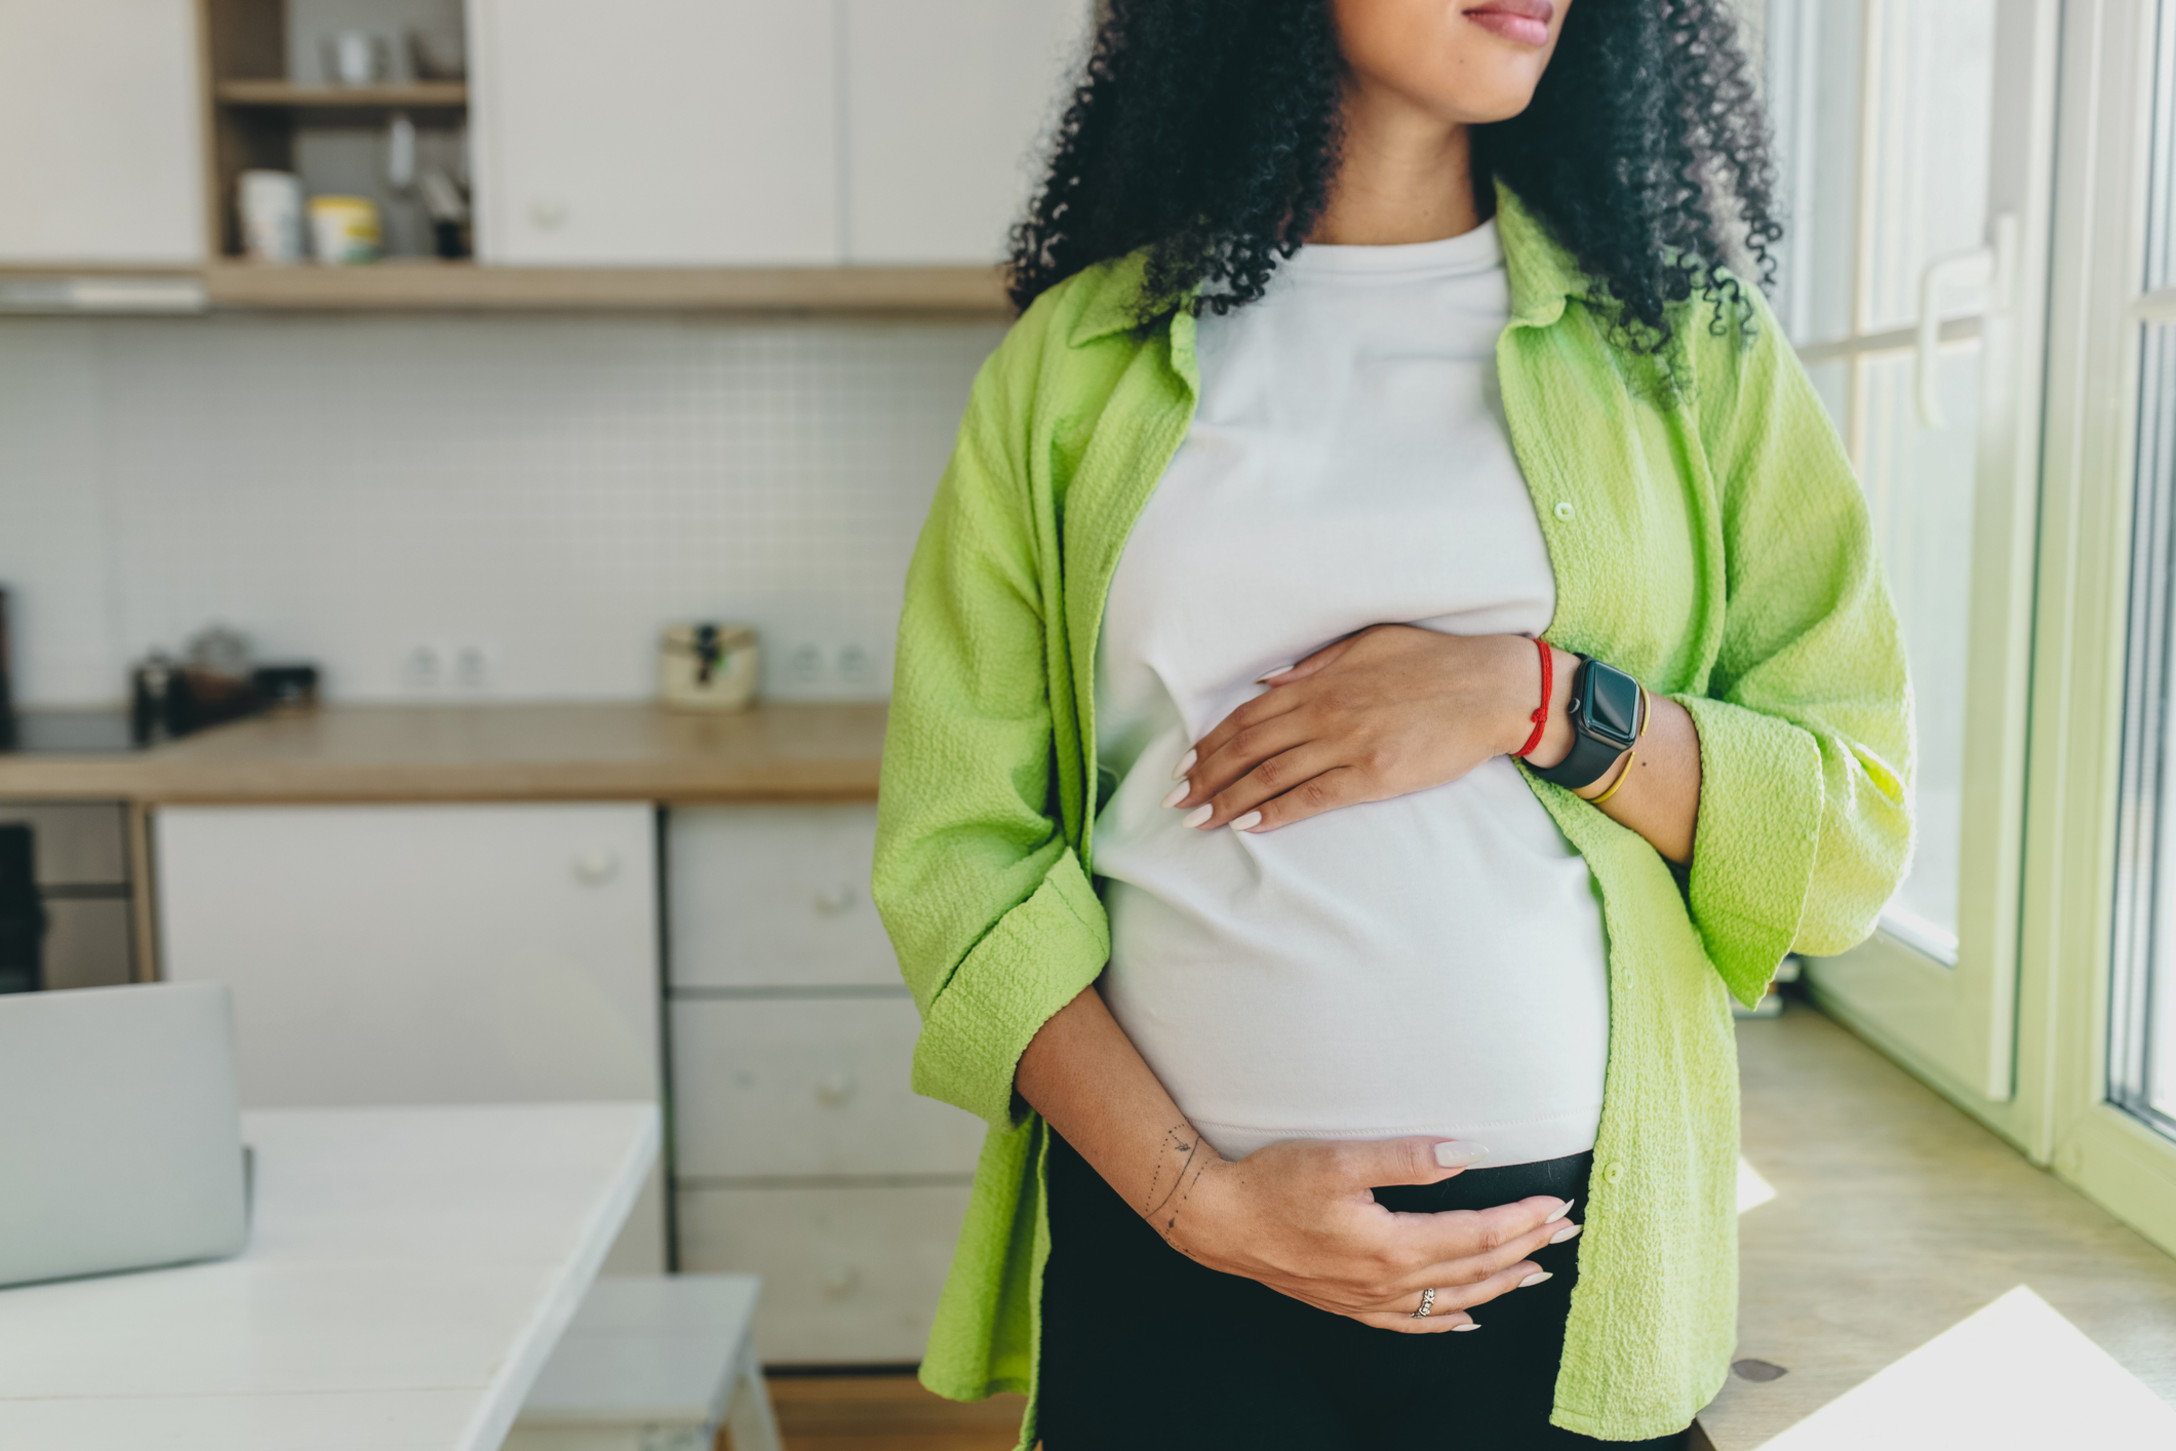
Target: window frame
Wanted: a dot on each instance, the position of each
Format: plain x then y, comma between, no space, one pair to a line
2073,784
2019,1033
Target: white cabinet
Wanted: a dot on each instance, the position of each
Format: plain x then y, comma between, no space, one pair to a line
766,1086
801,1150
740,132
655,132
100,136
775,896
946,104
426,954
850,1275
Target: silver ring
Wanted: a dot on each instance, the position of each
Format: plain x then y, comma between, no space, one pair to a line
1427,1303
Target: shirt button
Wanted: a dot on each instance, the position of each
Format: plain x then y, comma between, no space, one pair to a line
1613,1174
1564,510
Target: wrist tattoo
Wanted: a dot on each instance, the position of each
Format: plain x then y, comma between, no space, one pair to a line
1180,1161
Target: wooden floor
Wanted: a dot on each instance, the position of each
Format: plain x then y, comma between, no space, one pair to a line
887,1413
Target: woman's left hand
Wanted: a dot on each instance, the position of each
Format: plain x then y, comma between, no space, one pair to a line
1388,711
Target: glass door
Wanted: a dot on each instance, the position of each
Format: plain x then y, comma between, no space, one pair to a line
1916,138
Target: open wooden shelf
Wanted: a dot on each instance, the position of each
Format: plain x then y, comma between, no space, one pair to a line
254,115
415,95
425,285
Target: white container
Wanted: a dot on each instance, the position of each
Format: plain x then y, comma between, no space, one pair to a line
356,58
708,667
344,230
270,206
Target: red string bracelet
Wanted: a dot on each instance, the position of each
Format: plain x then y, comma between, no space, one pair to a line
1540,717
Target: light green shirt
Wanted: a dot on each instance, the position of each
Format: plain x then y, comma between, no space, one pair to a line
1706,534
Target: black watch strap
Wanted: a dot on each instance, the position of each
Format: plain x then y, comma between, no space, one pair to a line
1595,748
1589,761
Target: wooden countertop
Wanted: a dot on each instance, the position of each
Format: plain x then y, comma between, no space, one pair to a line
624,752
1896,1217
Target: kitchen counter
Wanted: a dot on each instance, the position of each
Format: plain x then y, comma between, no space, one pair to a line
810,751
1894,1218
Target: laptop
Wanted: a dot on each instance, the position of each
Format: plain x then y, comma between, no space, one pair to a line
120,1130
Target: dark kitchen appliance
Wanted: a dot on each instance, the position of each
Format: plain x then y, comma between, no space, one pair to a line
22,914
67,899
168,698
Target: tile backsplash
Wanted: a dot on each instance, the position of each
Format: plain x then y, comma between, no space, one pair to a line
537,496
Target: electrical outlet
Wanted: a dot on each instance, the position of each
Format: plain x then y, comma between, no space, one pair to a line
805,664
474,666
424,668
856,665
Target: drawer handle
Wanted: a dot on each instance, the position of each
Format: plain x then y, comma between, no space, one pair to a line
836,900
841,1282
836,1091
595,868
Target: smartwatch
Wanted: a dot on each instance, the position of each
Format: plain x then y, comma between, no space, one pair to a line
1605,716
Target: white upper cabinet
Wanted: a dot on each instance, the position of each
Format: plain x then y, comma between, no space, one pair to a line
946,102
655,132
100,133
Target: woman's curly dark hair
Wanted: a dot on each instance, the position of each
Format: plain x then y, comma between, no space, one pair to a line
1207,132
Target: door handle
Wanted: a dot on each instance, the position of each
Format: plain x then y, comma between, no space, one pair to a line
1990,265
595,868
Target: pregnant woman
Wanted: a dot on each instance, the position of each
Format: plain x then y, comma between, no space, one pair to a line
1396,647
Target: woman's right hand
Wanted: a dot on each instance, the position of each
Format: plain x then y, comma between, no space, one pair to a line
1298,1216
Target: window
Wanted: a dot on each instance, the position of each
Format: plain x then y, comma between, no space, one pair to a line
1914,136
1982,281
1892,178
2054,1019
2142,999
2096,1042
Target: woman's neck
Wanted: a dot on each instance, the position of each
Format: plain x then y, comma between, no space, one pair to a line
1403,176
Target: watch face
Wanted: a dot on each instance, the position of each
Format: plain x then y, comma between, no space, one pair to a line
1613,704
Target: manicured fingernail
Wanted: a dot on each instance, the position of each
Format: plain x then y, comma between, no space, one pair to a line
1248,822
1178,793
1536,1278
1271,674
1560,1213
1469,1325
1186,763
1200,814
1563,1234
1453,1154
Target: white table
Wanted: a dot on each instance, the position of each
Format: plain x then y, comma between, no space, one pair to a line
409,1270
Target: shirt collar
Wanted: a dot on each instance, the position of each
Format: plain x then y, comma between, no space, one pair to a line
1542,276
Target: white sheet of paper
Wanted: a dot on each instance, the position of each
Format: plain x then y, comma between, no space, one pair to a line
1753,1190
2014,1375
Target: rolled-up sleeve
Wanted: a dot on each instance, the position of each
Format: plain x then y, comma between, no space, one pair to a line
994,920
1804,827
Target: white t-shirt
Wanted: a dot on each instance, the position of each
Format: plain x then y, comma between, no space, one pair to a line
1427,964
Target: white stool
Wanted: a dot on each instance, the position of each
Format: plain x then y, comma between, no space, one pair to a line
653,1363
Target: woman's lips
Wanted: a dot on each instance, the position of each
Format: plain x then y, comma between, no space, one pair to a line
1521,20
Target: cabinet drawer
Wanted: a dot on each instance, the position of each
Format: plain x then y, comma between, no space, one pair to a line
850,1275
774,1086
771,896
